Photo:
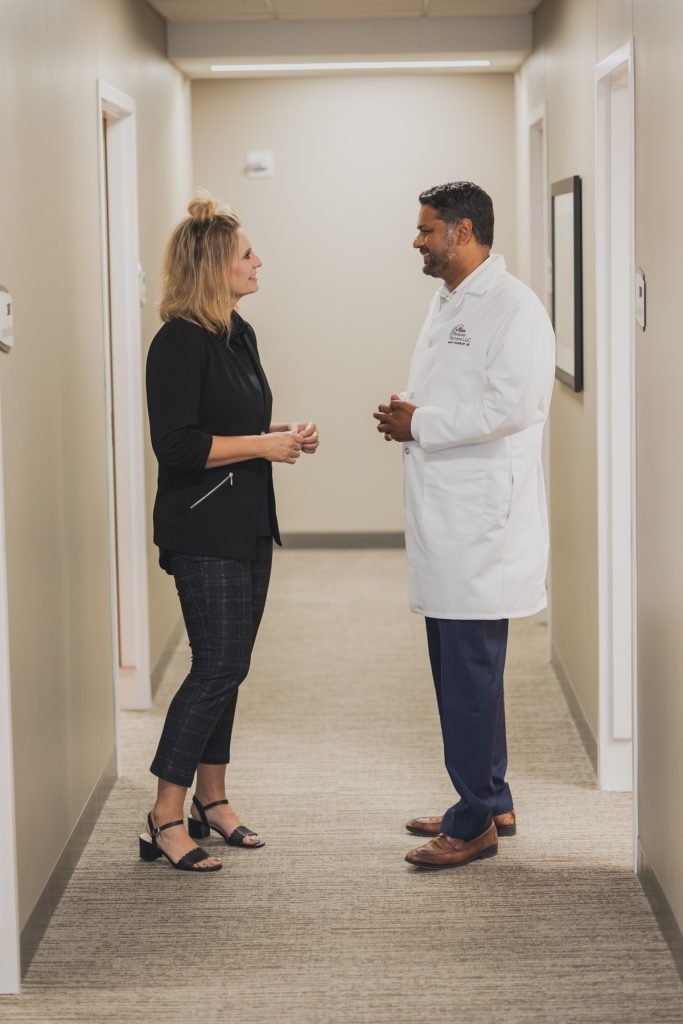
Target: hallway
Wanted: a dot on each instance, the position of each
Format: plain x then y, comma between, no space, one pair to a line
337,746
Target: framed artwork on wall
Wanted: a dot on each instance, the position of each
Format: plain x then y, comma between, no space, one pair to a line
567,267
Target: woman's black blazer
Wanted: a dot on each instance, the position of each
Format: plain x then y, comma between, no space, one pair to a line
197,387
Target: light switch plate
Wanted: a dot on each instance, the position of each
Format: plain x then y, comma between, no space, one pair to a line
6,321
640,299
142,285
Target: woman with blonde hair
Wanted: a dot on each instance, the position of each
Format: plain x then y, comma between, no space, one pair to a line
214,516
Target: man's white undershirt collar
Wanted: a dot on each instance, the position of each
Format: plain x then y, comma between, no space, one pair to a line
478,281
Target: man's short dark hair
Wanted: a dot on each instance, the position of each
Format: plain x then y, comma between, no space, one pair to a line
459,199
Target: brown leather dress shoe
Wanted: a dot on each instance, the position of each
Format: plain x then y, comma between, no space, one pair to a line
448,852
425,826
506,825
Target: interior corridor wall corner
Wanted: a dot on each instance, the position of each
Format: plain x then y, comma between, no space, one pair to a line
559,76
63,722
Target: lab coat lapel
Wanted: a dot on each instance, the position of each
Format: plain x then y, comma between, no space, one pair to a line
426,361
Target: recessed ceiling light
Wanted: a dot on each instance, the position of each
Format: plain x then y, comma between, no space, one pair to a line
356,65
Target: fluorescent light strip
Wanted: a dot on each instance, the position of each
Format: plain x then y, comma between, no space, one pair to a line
357,65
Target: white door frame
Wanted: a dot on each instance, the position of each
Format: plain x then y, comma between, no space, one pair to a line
10,948
616,412
124,396
540,272
539,226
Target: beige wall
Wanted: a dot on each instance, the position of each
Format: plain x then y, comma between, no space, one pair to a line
342,295
570,37
131,45
51,55
658,29
559,74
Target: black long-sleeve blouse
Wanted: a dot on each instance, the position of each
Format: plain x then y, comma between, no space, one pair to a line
200,385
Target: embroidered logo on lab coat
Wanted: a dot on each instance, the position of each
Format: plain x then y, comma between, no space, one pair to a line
459,336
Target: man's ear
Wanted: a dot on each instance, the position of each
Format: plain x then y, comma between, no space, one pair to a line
463,230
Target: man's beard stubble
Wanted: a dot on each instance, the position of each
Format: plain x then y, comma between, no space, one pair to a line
433,268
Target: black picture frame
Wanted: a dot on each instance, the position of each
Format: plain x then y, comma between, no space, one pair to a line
567,280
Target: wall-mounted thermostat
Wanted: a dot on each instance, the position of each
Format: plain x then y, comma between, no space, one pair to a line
6,323
260,164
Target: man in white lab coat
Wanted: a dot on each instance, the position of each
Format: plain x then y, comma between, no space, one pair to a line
471,428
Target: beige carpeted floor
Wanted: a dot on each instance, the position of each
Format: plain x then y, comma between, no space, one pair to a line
336,746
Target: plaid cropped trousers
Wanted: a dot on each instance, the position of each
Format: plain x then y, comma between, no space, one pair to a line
222,601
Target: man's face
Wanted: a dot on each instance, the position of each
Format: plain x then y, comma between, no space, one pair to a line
435,242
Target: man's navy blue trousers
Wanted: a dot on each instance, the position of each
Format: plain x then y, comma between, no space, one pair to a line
468,661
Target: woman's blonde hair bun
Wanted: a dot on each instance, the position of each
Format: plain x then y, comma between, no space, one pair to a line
204,207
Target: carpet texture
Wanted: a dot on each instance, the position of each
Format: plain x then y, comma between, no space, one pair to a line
336,746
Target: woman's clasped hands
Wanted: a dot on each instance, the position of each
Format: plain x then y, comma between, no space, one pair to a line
286,442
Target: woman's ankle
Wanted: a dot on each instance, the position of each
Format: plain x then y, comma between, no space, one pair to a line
170,802
210,783
165,810
208,797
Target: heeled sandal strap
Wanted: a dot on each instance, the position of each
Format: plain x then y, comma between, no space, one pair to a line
216,803
193,857
238,835
154,830
207,807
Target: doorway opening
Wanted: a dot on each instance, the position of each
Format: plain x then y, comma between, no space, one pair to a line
615,323
124,396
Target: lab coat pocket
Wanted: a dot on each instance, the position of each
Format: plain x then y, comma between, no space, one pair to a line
465,500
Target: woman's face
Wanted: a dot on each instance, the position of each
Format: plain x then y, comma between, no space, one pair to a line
244,267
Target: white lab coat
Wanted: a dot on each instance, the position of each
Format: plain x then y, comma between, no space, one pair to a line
475,507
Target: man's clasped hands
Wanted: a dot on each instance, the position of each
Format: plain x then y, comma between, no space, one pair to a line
395,418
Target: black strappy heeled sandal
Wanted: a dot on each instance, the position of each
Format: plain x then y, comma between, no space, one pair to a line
201,829
150,849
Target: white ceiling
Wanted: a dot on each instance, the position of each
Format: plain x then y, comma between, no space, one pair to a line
203,33
315,10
